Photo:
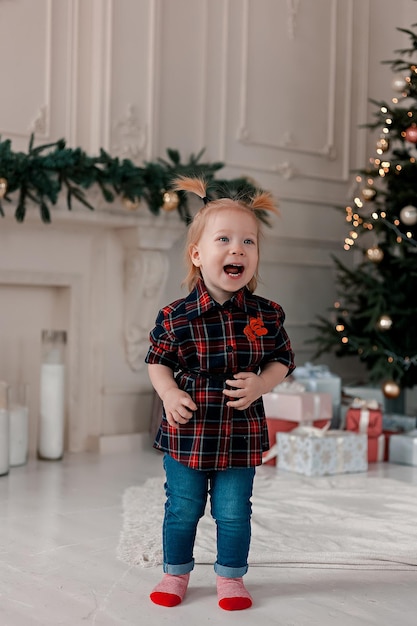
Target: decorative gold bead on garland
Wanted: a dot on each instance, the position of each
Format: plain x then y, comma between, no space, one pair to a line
170,200
131,205
3,187
391,389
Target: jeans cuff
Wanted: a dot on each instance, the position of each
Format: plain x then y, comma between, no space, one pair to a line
230,572
178,570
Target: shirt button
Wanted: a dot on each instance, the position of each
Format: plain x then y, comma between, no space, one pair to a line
229,348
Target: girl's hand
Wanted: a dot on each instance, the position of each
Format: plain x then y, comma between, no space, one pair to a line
247,387
179,406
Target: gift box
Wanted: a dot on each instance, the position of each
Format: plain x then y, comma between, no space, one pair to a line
316,453
403,448
299,406
276,425
319,379
364,417
387,435
398,423
376,449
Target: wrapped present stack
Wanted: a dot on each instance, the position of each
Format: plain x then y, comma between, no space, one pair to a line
373,419
302,413
289,406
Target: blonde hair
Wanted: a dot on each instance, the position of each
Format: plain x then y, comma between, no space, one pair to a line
256,205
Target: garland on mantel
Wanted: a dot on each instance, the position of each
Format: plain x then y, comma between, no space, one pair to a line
47,170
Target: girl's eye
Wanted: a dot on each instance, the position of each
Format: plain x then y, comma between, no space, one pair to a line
223,238
249,241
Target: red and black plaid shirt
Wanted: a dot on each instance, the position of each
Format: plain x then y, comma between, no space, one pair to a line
206,343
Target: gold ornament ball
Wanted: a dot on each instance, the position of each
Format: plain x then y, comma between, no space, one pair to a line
3,187
408,215
368,194
375,254
399,84
391,389
131,205
384,322
170,200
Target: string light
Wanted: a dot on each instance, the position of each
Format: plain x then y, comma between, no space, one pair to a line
392,357
400,236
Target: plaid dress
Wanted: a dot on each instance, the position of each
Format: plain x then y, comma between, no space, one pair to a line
206,343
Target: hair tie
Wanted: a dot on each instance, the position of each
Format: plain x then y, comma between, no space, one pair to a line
206,200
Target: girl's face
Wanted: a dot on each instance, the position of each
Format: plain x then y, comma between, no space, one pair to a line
227,252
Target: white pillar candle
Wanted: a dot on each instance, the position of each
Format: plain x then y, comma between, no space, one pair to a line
52,411
19,434
4,429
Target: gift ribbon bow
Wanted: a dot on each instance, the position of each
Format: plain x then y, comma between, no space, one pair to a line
359,403
311,431
290,387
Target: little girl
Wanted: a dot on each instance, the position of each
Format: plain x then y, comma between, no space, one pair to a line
213,355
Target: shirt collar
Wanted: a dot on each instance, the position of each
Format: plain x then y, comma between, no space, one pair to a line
199,301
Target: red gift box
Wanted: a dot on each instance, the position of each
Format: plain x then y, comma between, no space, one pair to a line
277,425
376,449
364,420
387,435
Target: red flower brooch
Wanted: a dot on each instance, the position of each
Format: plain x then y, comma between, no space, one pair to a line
255,328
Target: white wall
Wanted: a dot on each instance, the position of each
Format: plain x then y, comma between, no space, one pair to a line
276,89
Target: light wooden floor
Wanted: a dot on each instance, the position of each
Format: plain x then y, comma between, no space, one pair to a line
59,529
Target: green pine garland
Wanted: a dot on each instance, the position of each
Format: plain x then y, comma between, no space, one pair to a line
46,171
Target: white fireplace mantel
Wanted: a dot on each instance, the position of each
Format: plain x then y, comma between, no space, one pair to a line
102,274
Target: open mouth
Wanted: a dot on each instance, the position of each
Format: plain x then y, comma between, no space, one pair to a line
233,269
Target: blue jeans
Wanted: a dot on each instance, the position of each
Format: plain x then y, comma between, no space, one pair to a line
186,491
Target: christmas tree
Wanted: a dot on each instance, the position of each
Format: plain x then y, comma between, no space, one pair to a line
375,316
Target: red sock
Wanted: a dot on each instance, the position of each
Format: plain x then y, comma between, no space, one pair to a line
171,590
232,594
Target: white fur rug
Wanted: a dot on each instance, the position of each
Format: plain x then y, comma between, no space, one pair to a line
344,521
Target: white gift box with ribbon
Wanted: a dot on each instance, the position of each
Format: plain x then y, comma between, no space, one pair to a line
319,452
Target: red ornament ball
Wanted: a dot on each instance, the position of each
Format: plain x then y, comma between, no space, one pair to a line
411,134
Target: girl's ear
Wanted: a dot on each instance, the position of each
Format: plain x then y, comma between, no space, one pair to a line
195,255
